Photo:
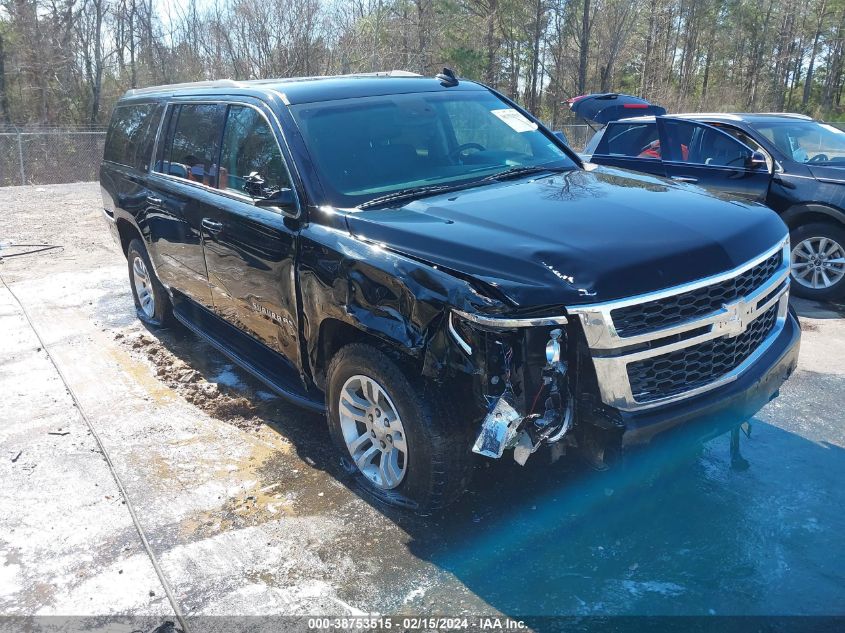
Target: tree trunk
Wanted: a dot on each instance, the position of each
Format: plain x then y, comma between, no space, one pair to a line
645,84
808,80
4,98
585,48
133,72
490,44
533,87
97,83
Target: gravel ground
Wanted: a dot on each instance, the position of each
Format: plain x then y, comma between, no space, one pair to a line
245,512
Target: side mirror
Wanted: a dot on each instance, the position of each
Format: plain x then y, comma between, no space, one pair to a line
254,184
281,199
559,134
757,160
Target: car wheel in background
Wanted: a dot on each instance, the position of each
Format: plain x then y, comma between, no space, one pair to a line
818,261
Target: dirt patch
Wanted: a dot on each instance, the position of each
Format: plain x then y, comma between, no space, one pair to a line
219,401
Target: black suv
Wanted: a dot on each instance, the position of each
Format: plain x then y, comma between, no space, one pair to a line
425,262
794,164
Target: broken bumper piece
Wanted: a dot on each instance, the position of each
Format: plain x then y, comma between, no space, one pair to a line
504,428
499,430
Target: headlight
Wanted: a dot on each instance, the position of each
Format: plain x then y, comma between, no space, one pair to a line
553,347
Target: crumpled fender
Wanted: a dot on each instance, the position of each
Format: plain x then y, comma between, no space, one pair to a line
385,294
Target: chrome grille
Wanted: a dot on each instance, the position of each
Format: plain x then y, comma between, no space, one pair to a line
676,343
653,315
692,367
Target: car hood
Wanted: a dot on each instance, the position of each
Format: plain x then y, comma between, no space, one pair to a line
575,238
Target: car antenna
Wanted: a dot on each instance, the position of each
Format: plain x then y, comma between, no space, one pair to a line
447,77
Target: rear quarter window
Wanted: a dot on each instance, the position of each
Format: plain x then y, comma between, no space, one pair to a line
131,133
627,139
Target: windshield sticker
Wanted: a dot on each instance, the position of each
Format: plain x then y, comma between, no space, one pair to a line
514,120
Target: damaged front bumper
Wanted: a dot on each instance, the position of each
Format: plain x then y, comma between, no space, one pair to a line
530,403
512,371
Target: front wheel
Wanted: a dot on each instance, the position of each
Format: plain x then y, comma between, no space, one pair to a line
391,430
818,261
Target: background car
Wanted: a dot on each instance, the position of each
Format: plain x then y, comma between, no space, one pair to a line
792,163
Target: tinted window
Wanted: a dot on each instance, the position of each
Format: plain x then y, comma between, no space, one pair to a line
249,145
130,135
190,148
630,139
162,163
703,145
368,147
745,139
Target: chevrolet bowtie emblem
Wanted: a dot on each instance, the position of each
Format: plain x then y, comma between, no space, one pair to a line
735,321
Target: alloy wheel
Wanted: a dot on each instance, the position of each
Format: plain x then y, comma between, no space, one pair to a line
143,287
818,262
373,432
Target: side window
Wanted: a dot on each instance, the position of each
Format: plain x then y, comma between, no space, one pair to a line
249,145
162,163
130,133
694,143
637,140
747,140
190,145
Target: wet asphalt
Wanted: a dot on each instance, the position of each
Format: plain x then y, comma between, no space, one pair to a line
673,531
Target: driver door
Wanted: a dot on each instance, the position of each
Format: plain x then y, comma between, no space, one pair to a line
250,250
701,154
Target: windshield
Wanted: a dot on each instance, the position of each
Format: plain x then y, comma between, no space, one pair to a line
806,141
368,148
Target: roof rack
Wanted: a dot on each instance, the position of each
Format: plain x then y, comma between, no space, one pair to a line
792,115
218,83
231,83
714,115
386,73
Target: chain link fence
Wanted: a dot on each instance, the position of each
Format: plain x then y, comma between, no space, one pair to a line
50,155
57,155
577,135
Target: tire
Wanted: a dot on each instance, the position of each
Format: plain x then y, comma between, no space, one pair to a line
813,238
152,304
437,461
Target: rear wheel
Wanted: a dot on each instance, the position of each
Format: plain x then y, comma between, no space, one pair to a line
818,261
152,303
391,430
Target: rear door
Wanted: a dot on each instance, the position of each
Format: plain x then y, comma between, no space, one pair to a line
698,153
126,160
630,145
249,250
182,182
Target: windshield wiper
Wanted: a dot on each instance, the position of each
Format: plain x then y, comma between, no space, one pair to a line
414,193
523,170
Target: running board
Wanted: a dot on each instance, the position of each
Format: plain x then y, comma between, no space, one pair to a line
268,366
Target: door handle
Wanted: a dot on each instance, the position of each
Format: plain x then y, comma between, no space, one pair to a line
689,179
211,226
152,200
